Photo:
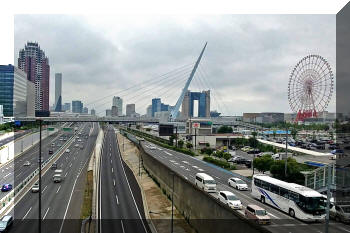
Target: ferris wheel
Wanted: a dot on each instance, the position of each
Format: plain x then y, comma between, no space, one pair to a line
310,87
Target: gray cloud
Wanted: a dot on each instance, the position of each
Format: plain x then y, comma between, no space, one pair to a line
247,62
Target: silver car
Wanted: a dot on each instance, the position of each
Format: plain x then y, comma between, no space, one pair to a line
35,188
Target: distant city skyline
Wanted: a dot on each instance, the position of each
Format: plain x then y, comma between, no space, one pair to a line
246,66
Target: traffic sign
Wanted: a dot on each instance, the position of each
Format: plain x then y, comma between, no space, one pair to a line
67,129
196,125
50,129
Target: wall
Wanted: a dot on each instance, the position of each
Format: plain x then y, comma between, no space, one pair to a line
204,213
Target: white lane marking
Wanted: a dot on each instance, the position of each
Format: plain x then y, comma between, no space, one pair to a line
195,167
202,170
66,174
112,169
166,152
343,229
59,187
46,213
116,197
70,165
7,175
111,161
113,182
122,226
44,189
185,162
27,213
272,215
185,177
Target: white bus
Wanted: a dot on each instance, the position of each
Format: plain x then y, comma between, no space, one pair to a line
296,200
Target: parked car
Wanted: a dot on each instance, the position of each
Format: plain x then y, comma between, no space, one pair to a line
35,188
248,163
254,151
6,187
333,146
341,213
233,159
6,223
337,151
27,163
241,160
257,214
246,148
264,153
237,183
230,199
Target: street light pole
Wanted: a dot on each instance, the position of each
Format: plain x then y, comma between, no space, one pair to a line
40,129
285,162
172,205
328,198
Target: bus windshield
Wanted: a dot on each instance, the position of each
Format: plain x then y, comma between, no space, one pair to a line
312,205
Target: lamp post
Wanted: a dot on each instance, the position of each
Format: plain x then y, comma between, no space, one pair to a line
172,204
285,162
40,129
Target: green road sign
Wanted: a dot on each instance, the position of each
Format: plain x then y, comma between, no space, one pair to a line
67,129
50,129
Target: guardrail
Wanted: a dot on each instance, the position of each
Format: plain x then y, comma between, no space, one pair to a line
9,197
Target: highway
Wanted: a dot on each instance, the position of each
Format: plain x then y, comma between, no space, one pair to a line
188,166
60,201
15,171
120,201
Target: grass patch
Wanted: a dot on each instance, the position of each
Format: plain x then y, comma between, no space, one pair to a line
219,163
86,209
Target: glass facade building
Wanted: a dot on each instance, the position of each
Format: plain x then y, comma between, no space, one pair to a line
13,91
77,106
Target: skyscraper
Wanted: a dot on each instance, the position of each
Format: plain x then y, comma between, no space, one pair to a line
77,106
93,112
32,60
156,105
66,107
13,91
130,109
58,92
203,99
149,111
118,102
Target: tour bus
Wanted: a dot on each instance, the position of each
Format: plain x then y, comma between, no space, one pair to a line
296,200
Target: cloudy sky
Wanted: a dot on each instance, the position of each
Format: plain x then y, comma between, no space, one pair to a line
246,65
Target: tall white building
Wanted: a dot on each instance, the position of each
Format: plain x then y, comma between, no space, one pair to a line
58,92
118,102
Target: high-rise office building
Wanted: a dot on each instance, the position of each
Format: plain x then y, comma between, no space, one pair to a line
118,102
77,106
149,111
108,112
130,109
30,99
85,110
114,111
93,112
164,107
13,91
156,105
203,99
35,64
66,107
58,92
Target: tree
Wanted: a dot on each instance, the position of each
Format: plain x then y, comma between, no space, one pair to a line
180,143
207,144
274,134
294,133
171,140
294,169
189,145
225,129
263,163
226,155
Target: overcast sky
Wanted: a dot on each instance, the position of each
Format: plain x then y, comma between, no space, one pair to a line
246,65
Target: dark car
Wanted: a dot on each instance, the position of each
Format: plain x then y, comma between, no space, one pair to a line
54,166
6,187
248,163
241,160
5,223
254,151
333,146
50,152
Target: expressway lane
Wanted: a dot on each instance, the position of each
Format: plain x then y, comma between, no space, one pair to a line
120,209
188,166
14,172
57,197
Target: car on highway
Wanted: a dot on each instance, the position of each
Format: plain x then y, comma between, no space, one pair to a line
6,223
237,183
6,187
340,213
68,151
59,145
152,147
81,147
54,166
27,163
50,152
257,214
205,182
35,188
76,145
79,140
52,144
230,199
40,160
61,139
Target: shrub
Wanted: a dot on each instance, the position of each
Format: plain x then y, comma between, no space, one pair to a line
219,163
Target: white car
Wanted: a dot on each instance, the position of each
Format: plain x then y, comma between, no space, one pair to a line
68,151
237,183
152,147
230,199
27,163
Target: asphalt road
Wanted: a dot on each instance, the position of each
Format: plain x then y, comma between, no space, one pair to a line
121,208
14,172
188,167
59,200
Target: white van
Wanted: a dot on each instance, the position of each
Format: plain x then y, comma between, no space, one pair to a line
205,182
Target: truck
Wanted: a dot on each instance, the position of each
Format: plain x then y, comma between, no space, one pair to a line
57,177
